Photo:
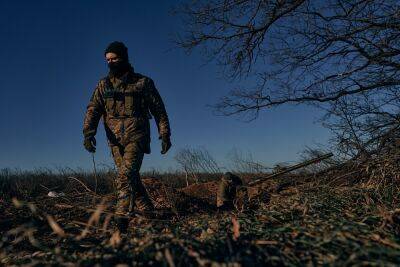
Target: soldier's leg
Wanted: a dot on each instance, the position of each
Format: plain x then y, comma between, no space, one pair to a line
226,194
122,181
133,158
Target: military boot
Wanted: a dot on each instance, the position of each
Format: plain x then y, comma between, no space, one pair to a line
122,210
143,203
141,198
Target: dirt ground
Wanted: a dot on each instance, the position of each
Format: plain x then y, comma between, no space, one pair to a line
287,224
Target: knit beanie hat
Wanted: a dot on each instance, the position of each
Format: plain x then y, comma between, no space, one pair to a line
118,48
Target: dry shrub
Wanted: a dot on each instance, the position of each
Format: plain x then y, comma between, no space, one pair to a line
30,184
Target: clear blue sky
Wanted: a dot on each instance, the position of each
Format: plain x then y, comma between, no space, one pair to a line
52,58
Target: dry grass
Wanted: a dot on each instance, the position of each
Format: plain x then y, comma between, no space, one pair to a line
341,216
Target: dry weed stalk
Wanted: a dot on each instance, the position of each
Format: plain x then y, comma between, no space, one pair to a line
93,220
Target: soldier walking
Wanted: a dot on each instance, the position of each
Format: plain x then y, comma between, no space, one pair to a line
126,100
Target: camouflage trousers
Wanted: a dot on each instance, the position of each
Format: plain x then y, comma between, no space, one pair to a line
130,189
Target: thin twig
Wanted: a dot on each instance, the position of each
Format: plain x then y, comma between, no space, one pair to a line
95,174
79,181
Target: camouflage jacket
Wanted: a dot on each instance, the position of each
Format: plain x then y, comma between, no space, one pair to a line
126,106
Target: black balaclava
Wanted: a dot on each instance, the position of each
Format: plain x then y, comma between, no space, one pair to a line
118,68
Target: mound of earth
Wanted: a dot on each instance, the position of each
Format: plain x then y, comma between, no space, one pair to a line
182,201
204,191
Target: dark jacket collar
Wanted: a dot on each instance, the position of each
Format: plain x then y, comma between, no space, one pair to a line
127,77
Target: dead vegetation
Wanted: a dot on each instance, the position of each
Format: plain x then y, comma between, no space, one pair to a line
343,215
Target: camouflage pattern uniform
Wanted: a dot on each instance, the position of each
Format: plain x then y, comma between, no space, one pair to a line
126,105
227,190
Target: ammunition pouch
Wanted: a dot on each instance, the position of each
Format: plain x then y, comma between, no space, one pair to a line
109,101
134,102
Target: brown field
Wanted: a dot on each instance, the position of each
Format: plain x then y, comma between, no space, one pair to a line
338,217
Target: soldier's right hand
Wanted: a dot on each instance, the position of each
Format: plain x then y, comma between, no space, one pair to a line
90,144
165,144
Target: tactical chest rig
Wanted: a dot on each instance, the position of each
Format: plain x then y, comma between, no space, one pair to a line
131,97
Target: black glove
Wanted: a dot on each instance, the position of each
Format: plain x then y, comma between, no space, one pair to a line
165,144
90,144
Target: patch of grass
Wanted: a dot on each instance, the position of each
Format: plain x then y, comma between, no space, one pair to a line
306,223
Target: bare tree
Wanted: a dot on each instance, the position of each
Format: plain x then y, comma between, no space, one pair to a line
339,55
365,126
196,161
245,163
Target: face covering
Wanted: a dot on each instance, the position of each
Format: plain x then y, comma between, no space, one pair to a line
118,68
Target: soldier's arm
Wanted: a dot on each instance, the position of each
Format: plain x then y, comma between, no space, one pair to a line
157,109
95,109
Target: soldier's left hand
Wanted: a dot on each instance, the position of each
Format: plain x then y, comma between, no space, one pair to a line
165,144
90,144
